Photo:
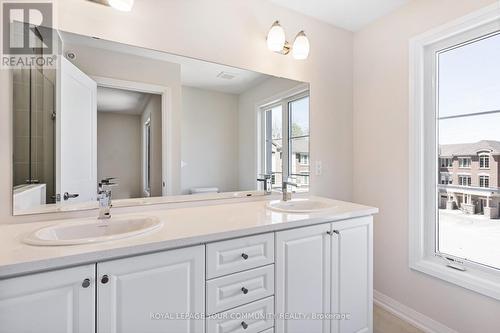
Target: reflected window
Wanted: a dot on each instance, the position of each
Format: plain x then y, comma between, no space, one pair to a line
286,138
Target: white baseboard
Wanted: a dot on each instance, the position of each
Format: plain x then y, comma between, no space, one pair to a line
409,315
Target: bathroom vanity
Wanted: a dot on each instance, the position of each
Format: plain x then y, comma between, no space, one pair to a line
219,268
190,152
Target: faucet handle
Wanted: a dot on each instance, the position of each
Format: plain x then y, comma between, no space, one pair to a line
107,181
287,182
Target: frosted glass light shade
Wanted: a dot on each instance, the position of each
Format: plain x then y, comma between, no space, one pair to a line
301,47
276,38
123,5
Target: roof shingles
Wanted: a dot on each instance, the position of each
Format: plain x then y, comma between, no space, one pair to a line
468,149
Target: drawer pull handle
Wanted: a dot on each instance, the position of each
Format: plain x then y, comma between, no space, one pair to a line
245,256
244,325
104,279
86,283
244,290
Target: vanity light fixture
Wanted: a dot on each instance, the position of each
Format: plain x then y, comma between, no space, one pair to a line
276,42
300,49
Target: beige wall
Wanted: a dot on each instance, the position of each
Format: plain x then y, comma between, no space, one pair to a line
209,140
381,163
119,152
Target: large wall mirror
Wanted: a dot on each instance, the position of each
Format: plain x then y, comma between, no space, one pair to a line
159,124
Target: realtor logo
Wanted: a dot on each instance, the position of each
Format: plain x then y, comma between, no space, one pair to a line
27,38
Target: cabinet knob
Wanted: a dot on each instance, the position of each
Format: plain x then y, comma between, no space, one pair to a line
86,283
245,256
244,290
244,325
104,279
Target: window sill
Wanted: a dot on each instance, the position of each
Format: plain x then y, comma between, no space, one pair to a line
486,283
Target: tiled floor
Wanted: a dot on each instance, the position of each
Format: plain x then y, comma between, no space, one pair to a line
385,322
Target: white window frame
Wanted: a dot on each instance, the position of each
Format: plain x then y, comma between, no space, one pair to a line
283,99
423,152
462,164
446,162
483,179
467,178
446,178
485,156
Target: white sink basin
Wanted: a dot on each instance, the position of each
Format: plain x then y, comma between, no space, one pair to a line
300,205
93,230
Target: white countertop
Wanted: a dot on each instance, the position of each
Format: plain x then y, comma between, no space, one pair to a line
181,227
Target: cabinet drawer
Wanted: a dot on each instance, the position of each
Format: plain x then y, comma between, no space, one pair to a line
251,318
239,254
236,289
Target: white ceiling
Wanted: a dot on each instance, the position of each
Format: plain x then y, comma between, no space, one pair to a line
122,101
348,14
194,72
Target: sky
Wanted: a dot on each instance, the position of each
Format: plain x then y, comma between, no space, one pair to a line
469,82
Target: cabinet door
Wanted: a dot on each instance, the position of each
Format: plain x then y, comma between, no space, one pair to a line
303,261
352,286
152,293
61,301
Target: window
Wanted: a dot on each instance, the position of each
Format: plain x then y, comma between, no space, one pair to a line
464,162
303,159
484,161
484,181
467,81
446,179
286,151
454,74
446,162
464,180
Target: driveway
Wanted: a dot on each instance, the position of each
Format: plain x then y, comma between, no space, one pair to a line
473,237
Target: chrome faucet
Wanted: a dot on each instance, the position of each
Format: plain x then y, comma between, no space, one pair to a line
266,180
104,198
287,196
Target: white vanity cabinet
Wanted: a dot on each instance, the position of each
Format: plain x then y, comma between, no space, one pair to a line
262,283
144,293
152,293
325,269
303,277
61,301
